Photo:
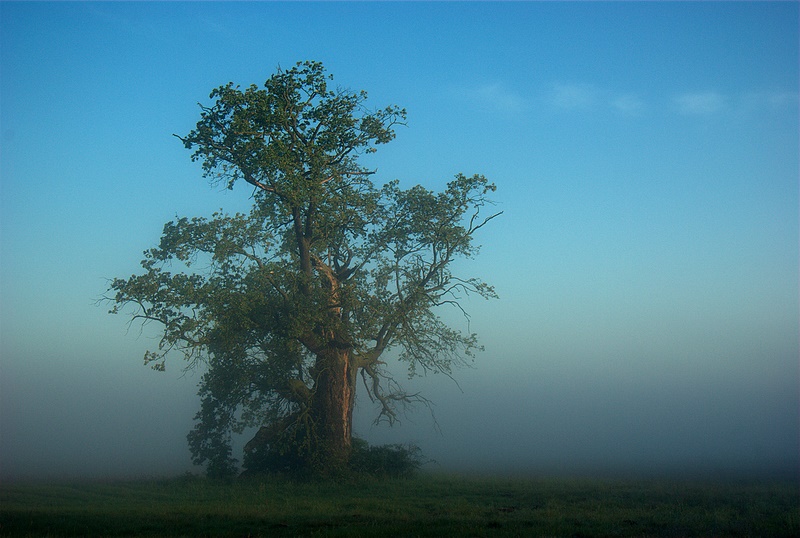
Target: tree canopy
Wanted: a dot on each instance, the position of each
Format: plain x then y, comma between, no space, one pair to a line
287,306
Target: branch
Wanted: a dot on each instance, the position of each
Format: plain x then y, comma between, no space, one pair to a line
389,401
482,224
362,173
282,293
251,180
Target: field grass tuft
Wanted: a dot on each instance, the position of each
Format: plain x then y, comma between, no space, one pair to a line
424,506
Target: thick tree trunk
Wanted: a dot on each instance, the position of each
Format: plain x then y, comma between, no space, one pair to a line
332,408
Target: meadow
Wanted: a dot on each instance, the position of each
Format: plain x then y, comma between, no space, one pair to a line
428,505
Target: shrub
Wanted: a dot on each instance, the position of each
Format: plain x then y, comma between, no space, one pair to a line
385,460
392,460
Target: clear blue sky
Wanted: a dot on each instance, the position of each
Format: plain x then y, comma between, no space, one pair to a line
646,158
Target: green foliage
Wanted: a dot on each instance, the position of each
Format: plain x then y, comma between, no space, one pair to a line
384,461
325,274
397,461
280,448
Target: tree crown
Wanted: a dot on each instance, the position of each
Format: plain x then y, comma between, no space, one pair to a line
325,263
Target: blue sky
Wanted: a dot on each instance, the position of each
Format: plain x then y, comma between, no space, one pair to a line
646,158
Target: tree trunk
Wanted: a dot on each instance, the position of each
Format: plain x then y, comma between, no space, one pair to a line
332,408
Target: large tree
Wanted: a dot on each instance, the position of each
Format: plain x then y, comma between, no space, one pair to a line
286,306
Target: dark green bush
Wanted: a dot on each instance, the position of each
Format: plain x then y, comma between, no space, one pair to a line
385,460
392,460
271,459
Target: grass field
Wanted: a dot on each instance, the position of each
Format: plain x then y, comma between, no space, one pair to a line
424,506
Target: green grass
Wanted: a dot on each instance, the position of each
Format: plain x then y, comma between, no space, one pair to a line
425,506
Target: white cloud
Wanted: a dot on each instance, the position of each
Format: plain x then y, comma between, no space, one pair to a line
498,97
771,100
628,104
573,96
702,103
586,96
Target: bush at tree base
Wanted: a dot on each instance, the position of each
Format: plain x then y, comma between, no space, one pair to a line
389,461
386,460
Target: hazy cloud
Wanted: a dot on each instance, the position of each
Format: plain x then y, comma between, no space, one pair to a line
587,96
573,96
771,100
699,103
498,97
628,104
706,103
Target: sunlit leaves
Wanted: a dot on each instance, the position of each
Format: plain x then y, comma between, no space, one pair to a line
289,137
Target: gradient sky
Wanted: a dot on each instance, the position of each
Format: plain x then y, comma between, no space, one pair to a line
646,158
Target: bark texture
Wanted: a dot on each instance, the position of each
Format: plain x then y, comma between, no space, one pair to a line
332,409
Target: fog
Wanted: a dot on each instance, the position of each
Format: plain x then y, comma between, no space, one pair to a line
586,426
66,416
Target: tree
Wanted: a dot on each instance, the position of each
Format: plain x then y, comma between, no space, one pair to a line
288,305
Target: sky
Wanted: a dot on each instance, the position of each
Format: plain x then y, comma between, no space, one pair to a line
646,163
